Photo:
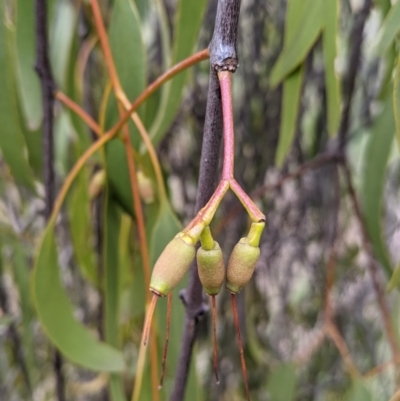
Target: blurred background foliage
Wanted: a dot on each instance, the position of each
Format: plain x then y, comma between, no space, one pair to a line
79,279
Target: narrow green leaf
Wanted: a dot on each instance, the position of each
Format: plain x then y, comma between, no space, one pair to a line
358,392
28,81
81,227
291,86
396,100
56,315
282,383
389,29
125,35
61,41
12,143
188,18
129,56
21,275
111,263
295,51
376,157
331,10
394,280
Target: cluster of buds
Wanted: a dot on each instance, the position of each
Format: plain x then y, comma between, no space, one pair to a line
179,254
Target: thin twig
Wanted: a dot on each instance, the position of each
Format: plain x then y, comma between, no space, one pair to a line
43,69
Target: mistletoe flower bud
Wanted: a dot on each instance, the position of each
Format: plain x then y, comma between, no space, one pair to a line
172,265
210,265
243,259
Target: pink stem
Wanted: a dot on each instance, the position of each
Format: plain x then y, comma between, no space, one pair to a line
253,211
227,114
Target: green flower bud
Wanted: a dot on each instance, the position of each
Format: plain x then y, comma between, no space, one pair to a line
241,265
172,265
243,259
210,265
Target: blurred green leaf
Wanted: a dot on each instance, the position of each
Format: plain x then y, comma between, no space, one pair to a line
81,228
21,274
389,29
329,37
358,392
309,25
130,61
396,100
61,41
28,81
56,315
12,143
111,263
188,18
376,157
291,86
394,280
282,383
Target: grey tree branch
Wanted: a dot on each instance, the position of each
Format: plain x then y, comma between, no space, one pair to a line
222,57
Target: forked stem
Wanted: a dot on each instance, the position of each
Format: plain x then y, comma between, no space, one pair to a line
214,316
239,338
164,359
149,316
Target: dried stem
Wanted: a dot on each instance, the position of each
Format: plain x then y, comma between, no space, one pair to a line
239,339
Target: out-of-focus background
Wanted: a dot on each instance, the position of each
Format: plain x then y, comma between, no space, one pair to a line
316,107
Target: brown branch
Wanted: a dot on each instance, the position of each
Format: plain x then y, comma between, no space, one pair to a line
43,69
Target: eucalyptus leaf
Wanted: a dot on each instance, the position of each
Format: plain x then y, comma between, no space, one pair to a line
329,37
309,26
111,265
28,81
128,52
291,86
358,392
12,144
282,383
56,315
81,227
389,29
188,18
376,157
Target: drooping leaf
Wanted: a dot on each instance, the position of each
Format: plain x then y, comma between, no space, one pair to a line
282,383
28,81
21,275
329,37
81,228
188,18
389,29
111,264
295,51
12,143
376,157
358,392
56,315
396,100
291,86
61,41
127,48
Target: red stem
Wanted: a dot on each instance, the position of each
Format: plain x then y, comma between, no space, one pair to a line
239,338
149,316
227,115
169,308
